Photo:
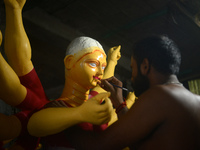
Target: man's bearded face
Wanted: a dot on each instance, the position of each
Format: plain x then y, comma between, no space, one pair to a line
140,83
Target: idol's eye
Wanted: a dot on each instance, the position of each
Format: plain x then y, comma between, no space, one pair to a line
92,64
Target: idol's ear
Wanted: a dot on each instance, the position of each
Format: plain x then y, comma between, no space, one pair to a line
69,61
145,67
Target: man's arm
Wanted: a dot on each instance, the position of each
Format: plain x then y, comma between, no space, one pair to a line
146,115
17,46
130,100
116,94
53,120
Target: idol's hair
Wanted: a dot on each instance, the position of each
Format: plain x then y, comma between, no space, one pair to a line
82,43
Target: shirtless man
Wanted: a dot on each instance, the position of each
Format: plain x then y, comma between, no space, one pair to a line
165,116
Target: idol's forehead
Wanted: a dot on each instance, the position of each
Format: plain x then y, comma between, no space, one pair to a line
89,50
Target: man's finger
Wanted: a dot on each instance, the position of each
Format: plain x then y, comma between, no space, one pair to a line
108,79
107,85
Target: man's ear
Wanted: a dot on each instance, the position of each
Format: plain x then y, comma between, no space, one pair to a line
69,61
145,67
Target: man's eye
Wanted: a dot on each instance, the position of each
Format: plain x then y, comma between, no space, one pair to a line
93,64
103,67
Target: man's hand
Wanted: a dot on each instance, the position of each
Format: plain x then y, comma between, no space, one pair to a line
116,93
15,4
96,113
114,54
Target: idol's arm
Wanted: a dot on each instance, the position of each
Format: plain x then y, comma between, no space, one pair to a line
17,46
53,120
10,85
130,99
12,92
113,56
10,127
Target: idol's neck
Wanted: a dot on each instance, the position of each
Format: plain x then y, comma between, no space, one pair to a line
73,93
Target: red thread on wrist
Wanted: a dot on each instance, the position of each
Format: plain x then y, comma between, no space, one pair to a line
120,107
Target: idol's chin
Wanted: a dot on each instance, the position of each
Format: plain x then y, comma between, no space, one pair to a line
90,85
94,83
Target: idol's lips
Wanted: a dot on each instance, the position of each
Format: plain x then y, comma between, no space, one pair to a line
95,77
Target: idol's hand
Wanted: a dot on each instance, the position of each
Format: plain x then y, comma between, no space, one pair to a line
94,112
116,92
130,99
114,54
15,4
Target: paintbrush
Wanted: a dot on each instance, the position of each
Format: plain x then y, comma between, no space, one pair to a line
119,87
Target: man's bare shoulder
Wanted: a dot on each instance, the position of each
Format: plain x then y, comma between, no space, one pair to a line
162,98
167,92
155,94
155,103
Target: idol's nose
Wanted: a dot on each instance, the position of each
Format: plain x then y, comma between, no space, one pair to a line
100,71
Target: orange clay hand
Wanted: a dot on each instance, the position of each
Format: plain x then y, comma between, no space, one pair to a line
15,4
94,112
114,54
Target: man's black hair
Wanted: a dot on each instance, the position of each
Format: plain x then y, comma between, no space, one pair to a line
161,52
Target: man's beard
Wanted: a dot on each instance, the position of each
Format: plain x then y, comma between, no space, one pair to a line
140,84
